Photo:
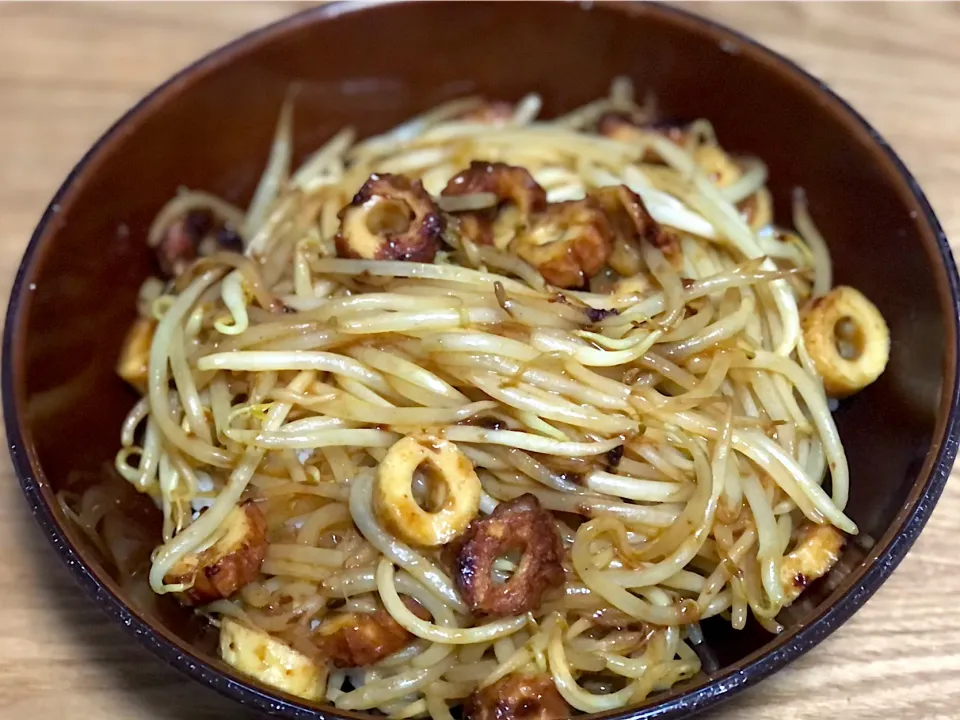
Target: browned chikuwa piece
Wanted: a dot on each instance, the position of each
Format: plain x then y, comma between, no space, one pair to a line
632,221
229,564
817,549
492,112
619,125
518,195
519,525
391,218
524,697
625,128
357,639
195,234
133,365
568,243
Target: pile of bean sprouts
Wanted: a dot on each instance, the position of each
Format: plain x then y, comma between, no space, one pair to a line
697,374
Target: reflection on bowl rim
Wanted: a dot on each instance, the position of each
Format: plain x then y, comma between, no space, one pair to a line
885,555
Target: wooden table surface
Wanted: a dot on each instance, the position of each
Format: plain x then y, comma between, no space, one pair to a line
67,71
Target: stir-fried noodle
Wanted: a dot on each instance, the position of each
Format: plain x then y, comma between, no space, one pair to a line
491,410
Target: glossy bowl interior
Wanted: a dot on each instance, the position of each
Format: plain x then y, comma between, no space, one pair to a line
210,128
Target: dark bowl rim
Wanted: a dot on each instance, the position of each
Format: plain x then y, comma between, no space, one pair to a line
721,687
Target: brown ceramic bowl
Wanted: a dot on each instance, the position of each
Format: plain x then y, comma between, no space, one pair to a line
373,66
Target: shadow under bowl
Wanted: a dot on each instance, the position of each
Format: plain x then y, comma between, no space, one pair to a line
372,66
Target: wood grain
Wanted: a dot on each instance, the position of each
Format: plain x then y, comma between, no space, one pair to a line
67,71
